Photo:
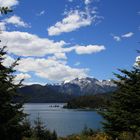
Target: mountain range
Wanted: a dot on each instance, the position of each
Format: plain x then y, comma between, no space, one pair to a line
66,90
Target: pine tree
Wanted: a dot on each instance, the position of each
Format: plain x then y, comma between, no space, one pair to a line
123,115
5,10
27,128
54,136
11,114
39,129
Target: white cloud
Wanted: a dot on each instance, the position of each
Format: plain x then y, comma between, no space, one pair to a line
8,60
26,44
60,56
26,83
127,35
89,49
53,68
87,2
137,62
117,38
41,13
21,76
2,26
77,63
16,21
70,0
138,59
50,69
73,20
8,3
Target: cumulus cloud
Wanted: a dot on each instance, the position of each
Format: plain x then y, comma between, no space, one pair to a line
16,21
2,26
74,19
8,3
60,56
127,35
21,76
50,69
54,67
8,60
26,44
89,49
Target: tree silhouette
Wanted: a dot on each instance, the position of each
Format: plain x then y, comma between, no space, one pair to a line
123,115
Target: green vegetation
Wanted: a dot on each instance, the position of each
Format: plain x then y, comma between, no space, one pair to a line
5,10
123,114
13,123
11,114
38,132
89,102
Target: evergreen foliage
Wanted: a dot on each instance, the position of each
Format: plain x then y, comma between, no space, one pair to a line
123,115
98,101
5,10
27,129
41,133
11,114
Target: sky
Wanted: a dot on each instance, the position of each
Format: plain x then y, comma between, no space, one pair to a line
60,40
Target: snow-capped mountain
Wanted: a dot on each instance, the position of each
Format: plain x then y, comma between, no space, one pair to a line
66,90
87,86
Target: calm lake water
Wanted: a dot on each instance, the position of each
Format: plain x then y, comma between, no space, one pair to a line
63,121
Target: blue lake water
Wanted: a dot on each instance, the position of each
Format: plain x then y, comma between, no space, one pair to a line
63,121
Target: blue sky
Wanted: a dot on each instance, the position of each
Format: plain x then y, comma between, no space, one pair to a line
59,40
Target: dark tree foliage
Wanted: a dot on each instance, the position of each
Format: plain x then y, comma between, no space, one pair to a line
123,115
54,136
11,114
5,10
98,101
41,133
27,128
39,128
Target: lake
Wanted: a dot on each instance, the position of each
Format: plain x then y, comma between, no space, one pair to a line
63,121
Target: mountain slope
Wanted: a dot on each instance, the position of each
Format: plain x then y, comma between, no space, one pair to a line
66,91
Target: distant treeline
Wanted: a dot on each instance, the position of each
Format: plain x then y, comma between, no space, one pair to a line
91,101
